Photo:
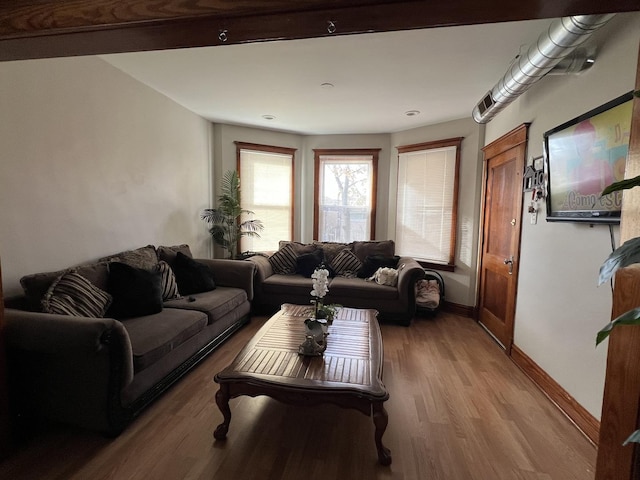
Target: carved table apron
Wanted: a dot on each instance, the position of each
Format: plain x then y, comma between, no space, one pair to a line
348,375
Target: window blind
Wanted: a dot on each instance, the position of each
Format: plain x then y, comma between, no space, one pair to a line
426,189
266,189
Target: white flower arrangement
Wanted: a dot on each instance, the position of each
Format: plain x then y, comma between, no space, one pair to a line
320,282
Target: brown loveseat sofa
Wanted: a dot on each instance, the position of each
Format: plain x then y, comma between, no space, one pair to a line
283,277
99,372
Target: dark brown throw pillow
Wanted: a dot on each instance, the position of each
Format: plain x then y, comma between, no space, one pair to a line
308,262
136,292
373,262
168,254
192,276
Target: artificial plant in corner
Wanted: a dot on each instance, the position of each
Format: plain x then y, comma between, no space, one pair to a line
227,226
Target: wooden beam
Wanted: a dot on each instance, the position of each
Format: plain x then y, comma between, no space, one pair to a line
54,28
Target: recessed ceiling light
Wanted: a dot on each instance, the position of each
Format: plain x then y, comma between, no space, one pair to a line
269,117
412,113
326,86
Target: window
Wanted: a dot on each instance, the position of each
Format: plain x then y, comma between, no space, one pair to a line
427,201
345,193
266,188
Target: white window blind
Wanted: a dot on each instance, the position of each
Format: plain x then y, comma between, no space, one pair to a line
425,209
345,186
266,189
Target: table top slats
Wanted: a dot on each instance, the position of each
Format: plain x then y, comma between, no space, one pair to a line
351,362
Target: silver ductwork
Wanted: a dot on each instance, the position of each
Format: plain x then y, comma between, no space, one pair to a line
551,48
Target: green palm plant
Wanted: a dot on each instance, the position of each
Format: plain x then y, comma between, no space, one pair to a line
227,226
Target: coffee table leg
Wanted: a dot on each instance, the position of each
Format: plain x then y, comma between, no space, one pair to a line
222,399
380,420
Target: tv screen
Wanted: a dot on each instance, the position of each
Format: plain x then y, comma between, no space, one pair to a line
583,156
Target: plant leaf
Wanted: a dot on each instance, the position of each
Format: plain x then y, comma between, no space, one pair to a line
626,254
633,438
632,317
621,185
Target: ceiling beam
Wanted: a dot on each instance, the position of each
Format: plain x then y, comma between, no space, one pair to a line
56,28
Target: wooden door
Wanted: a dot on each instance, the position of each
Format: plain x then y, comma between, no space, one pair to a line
504,160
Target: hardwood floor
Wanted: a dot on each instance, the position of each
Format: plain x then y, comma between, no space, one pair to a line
459,410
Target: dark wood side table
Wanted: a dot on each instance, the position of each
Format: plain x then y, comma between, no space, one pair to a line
348,375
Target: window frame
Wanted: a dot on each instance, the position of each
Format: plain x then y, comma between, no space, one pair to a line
424,146
269,149
319,152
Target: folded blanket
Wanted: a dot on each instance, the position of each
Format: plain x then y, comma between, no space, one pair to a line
427,293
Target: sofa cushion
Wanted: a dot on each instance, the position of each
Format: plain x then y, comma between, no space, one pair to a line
169,284
284,260
331,249
135,291
72,294
143,257
308,262
359,288
153,336
169,254
362,250
346,263
96,273
36,285
292,284
298,248
373,262
216,303
192,276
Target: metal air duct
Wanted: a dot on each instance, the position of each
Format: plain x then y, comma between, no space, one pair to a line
552,46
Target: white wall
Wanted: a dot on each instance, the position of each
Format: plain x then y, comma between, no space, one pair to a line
93,162
460,284
559,308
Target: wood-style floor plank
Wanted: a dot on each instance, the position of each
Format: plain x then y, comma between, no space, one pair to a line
459,409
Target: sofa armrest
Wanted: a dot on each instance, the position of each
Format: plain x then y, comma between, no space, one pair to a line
68,369
232,273
263,266
409,272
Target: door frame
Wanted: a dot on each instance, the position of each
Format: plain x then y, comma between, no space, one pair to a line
512,139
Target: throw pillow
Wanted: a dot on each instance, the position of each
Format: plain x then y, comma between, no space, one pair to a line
168,254
308,262
136,292
331,249
143,257
192,276
363,249
346,263
373,262
169,284
72,294
284,260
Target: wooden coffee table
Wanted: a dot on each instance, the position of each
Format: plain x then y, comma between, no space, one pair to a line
348,375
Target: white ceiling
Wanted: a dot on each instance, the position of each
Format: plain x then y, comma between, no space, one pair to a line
377,77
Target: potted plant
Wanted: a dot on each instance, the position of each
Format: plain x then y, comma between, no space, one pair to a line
227,226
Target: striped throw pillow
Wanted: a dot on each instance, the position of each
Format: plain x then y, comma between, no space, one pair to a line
345,263
284,260
72,294
169,284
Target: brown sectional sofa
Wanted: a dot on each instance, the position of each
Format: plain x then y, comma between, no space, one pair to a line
99,373
394,303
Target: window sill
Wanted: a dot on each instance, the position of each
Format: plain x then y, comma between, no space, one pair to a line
437,266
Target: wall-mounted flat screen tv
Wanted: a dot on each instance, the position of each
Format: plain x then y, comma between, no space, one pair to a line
582,157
